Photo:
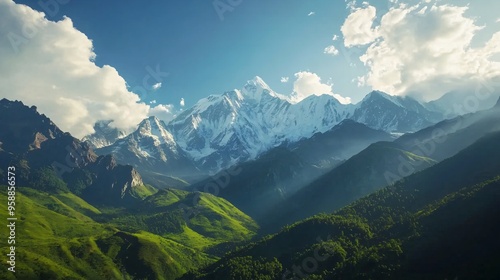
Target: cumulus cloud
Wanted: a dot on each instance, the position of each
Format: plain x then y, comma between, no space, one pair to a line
163,112
152,102
156,86
335,37
311,14
307,84
357,28
331,50
182,103
284,79
342,99
51,65
424,50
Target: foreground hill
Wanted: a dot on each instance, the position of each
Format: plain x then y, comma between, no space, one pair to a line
57,240
60,236
441,223
199,220
83,216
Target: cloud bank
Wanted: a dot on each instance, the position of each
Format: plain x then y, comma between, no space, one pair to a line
307,84
423,50
51,65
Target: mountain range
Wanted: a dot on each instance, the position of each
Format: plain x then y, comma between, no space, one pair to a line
350,202
440,223
285,186
240,125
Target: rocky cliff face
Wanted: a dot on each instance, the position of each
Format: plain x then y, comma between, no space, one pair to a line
112,181
23,128
35,145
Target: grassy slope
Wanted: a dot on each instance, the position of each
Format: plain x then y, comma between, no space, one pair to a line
57,240
211,222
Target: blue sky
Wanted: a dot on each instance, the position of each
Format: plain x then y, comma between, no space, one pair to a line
204,54
403,47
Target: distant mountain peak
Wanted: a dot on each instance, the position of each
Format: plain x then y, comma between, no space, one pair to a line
154,128
377,93
258,81
104,134
255,88
380,94
150,119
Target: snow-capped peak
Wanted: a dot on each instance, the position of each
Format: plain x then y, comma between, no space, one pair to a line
156,129
256,88
381,94
104,134
238,125
258,82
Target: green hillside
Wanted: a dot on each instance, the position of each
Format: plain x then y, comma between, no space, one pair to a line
375,167
58,237
199,220
441,223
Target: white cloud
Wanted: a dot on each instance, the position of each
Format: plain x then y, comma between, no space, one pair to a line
342,99
425,51
331,50
156,86
498,20
307,84
311,14
284,79
163,112
357,28
51,65
351,5
152,102
335,38
182,102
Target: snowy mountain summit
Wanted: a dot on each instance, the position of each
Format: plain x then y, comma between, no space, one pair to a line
104,135
239,125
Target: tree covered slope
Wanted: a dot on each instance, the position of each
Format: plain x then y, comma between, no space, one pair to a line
441,223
